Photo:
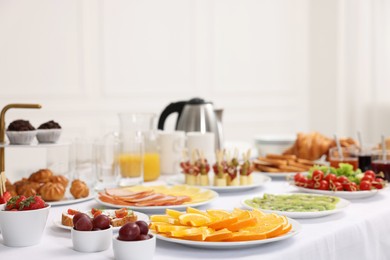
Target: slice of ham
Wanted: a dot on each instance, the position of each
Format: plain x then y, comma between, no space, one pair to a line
124,197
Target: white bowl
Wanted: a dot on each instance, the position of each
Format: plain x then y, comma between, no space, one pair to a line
273,144
91,241
23,228
134,250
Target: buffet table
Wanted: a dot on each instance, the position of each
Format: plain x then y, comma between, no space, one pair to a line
361,231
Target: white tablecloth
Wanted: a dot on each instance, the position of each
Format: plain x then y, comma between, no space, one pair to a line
361,231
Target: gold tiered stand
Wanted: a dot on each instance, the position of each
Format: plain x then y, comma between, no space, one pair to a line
2,139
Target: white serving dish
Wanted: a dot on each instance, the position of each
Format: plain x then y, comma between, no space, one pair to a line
23,228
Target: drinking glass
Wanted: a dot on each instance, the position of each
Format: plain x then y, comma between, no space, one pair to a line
381,163
145,124
106,162
348,155
82,157
131,160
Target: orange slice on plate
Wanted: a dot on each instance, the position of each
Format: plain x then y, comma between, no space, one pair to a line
194,219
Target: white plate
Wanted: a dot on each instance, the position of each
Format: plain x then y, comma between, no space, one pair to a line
342,194
296,228
283,175
140,216
341,205
70,200
155,209
258,180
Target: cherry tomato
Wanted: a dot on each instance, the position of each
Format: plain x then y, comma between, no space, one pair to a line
324,185
302,182
350,186
337,186
121,213
317,175
365,185
331,177
298,176
370,173
368,178
378,183
310,184
342,179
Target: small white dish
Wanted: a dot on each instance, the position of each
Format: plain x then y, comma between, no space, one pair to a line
134,250
91,241
23,228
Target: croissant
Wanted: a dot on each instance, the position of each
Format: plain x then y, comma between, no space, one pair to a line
10,188
313,146
42,176
52,191
79,189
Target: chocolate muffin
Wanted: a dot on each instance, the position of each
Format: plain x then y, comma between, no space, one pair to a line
50,125
49,132
21,132
20,125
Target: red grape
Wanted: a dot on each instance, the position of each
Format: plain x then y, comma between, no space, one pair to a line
84,224
143,237
129,232
143,227
79,216
101,221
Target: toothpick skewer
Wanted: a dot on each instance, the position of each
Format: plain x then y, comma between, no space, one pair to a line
2,183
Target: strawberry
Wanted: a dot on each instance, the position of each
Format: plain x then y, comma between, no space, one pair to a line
32,202
14,202
5,198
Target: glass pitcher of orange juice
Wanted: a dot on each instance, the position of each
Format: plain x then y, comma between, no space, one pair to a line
144,123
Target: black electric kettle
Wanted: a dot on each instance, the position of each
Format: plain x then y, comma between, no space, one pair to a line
195,115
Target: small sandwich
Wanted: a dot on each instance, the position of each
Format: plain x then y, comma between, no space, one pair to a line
117,217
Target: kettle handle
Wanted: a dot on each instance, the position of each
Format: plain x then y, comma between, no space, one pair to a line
171,108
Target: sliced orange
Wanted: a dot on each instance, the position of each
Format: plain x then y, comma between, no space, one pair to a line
173,213
246,236
164,218
219,235
241,214
169,228
218,213
198,234
196,211
220,224
194,219
248,222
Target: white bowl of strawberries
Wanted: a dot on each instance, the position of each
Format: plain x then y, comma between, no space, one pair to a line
23,220
91,234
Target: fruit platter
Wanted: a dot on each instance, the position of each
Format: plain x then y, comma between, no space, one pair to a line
222,229
343,182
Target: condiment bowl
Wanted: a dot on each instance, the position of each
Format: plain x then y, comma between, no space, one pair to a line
23,228
91,241
134,250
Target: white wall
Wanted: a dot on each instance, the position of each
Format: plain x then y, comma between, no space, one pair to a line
85,61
